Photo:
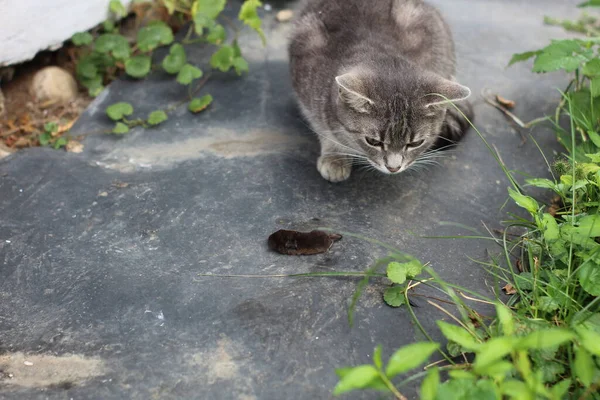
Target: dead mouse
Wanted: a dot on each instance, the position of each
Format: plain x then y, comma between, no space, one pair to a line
296,243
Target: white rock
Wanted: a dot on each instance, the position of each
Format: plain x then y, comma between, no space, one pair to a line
284,15
54,84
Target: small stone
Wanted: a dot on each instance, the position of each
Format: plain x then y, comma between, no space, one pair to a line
268,7
5,151
284,15
28,363
73,146
54,84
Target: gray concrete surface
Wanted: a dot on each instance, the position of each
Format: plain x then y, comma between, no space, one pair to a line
100,252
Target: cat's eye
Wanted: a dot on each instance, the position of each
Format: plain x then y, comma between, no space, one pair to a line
373,142
416,144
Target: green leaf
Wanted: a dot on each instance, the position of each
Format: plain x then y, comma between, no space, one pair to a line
50,127
547,304
82,39
590,3
458,335
584,366
114,44
524,281
522,57
560,389
550,228
541,183
377,357
93,85
589,277
120,128
396,272
561,54
60,142
188,73
138,66
546,338
175,60
413,268
249,16
526,202
206,10
430,385
119,110
516,389
589,225
222,59
496,369
409,357
45,138
493,350
394,296
155,34
506,319
591,68
594,137
109,26
156,117
357,378
589,339
240,65
86,67
461,374
216,34
117,8
199,104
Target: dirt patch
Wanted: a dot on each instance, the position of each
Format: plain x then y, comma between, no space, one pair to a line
221,142
36,371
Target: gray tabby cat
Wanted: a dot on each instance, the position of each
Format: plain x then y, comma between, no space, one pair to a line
368,75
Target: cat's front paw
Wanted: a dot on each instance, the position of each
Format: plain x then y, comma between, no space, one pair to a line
334,169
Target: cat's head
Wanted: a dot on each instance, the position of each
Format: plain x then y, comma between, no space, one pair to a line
390,120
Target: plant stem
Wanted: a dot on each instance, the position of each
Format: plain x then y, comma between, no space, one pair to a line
391,386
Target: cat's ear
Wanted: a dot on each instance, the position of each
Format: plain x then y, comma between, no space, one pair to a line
350,89
445,91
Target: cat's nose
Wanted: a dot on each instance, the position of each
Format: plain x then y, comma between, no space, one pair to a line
392,170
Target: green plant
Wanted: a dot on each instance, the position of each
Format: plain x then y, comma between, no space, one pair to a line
49,136
104,56
581,99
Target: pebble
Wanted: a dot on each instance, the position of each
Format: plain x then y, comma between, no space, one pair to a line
54,84
284,15
28,363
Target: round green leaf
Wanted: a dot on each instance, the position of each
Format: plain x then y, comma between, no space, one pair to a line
119,110
409,357
60,142
156,117
120,129
45,138
115,44
138,66
396,272
216,34
86,67
155,34
117,8
175,60
82,38
204,12
199,104
394,296
188,73
240,65
222,59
